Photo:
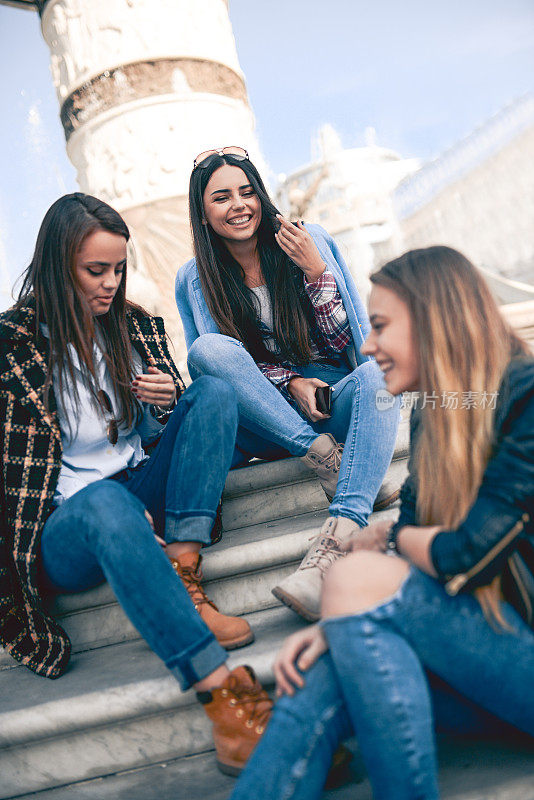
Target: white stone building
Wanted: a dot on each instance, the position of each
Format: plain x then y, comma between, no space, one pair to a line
348,191
478,196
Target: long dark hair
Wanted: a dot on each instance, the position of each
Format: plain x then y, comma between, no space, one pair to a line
50,284
229,300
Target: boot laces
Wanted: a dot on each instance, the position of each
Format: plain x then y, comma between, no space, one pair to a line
191,578
253,699
333,460
327,551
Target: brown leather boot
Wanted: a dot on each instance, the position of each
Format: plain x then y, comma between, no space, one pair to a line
231,632
240,710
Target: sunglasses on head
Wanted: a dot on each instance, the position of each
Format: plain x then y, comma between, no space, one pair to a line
203,160
113,428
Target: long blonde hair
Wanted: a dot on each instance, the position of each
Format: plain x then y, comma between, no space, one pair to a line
464,347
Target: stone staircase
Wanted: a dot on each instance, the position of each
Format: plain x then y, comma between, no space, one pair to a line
116,725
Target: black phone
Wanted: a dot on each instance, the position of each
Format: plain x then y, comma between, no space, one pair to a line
323,399
277,224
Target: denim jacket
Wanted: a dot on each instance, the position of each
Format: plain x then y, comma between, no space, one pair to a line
497,536
197,319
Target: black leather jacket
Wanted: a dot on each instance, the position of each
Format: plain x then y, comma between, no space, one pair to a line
497,536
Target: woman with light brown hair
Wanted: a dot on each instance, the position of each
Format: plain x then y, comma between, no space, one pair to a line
427,623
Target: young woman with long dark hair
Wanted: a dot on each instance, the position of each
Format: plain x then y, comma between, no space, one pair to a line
272,307
87,383
441,635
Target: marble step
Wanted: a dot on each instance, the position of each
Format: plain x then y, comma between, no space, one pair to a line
116,725
115,709
279,519
240,572
468,771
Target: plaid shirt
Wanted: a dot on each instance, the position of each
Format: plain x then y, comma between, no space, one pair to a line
31,450
328,339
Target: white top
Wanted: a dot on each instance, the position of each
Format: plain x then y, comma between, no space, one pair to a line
87,454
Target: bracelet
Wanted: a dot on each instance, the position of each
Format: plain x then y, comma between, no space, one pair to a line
158,410
391,541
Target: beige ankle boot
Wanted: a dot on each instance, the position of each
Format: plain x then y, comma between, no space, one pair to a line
324,457
301,590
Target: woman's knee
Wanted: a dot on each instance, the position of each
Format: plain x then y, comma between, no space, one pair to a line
369,377
360,581
364,381
209,390
209,351
367,382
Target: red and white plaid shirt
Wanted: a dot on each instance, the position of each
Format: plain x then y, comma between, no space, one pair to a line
329,337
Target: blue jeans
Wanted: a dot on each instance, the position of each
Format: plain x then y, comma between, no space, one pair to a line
101,532
420,660
270,426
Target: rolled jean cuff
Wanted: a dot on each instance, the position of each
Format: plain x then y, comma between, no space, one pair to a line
195,528
197,662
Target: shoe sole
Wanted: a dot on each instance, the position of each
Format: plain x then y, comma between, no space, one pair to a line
233,644
294,604
387,501
230,769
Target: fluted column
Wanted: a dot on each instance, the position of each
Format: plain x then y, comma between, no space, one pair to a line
143,86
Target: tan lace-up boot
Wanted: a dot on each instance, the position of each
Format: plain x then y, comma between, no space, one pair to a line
239,710
301,590
324,457
231,632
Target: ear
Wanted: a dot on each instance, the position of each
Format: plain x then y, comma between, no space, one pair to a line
204,221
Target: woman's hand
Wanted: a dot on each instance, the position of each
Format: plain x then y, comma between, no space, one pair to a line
155,387
413,542
303,390
374,537
297,243
301,649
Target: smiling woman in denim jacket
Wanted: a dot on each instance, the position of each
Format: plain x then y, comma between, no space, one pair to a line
272,308
427,623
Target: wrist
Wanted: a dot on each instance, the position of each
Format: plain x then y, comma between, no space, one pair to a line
312,274
291,382
392,541
168,407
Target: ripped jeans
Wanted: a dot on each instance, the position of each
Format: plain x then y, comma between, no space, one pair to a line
420,661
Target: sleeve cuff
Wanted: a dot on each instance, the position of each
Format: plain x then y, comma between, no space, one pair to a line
321,282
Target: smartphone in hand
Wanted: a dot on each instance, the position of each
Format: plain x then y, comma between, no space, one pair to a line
323,399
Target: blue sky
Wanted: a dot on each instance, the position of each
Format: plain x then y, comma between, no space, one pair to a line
423,74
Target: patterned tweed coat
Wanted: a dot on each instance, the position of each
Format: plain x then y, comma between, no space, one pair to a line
30,442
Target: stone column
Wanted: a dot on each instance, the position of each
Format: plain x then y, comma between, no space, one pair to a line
143,86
